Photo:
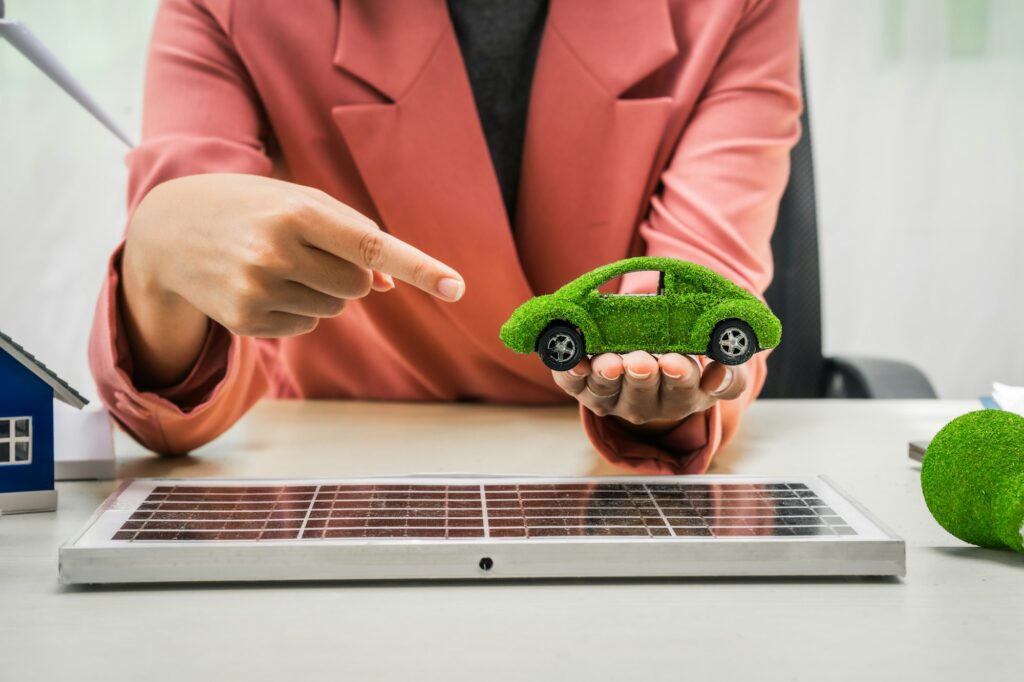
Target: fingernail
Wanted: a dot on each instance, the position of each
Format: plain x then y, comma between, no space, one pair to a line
605,376
451,288
389,280
637,375
675,375
573,372
726,382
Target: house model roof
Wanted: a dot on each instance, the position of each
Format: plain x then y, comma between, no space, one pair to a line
61,389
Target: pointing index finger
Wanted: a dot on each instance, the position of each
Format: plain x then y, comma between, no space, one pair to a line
382,252
353,237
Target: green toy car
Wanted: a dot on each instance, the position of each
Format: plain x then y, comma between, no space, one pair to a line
695,311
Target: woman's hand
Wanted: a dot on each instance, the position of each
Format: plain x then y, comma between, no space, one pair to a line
650,394
262,257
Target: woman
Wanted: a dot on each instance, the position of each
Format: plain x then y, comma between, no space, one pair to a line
299,159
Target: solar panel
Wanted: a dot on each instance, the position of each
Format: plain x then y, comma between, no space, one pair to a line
430,528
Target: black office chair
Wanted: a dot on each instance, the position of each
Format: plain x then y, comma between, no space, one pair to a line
797,368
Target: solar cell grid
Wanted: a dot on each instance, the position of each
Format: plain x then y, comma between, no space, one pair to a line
522,510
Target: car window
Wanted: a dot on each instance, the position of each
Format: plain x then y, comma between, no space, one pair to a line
641,283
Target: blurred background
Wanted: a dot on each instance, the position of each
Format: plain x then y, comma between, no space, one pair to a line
916,115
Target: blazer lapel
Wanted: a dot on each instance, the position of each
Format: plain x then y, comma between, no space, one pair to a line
419,147
592,135
387,44
421,152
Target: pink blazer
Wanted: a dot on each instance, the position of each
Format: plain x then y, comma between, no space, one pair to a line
660,127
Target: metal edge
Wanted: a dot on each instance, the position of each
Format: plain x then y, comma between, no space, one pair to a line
861,508
554,560
884,527
69,544
97,513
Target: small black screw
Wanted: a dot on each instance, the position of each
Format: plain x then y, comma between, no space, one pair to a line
486,563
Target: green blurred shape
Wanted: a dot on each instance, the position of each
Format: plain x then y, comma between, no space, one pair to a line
892,30
968,31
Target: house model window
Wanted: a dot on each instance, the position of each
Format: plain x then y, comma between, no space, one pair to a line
15,440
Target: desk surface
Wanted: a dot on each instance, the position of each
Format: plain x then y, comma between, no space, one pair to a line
959,612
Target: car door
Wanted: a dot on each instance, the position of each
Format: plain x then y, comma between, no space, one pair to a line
686,301
631,321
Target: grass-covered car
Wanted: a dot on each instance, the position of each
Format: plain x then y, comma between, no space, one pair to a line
694,311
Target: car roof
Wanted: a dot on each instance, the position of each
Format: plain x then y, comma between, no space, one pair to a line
693,271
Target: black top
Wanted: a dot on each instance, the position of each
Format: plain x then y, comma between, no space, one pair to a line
499,40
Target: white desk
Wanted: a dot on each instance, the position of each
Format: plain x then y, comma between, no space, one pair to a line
959,614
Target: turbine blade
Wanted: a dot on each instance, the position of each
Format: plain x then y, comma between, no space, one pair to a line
18,35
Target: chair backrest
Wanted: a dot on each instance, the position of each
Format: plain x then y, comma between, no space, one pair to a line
796,368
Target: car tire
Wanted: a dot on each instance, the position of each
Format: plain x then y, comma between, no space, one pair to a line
560,346
732,342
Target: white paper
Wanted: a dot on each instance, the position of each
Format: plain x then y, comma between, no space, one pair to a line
1009,398
83,443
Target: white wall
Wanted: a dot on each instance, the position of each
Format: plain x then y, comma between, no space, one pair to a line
62,176
916,109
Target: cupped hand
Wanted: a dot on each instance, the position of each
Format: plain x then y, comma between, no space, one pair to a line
650,394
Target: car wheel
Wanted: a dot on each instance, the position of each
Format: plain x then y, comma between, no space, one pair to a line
560,347
733,342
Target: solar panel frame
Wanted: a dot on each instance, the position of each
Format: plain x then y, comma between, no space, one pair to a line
182,530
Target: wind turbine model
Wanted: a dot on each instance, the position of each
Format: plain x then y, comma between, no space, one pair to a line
18,35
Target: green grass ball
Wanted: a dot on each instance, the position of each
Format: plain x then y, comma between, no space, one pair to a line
972,478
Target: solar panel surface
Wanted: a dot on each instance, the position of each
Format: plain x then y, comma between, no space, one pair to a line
522,510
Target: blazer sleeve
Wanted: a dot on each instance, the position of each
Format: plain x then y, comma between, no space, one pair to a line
717,206
201,114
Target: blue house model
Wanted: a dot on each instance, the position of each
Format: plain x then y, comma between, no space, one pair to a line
27,392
